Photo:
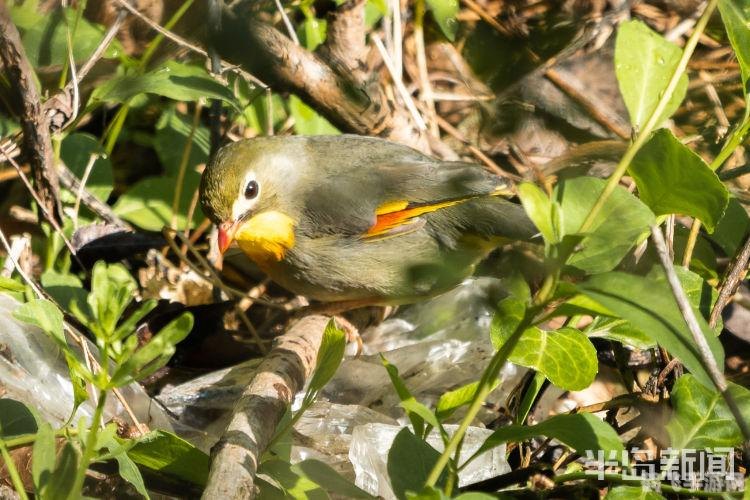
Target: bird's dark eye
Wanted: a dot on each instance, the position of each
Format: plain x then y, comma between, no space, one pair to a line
251,190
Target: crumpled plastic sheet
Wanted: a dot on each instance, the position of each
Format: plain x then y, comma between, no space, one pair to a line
437,345
33,370
370,444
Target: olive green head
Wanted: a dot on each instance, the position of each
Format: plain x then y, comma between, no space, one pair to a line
250,176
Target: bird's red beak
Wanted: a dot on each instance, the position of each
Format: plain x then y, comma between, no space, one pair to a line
226,235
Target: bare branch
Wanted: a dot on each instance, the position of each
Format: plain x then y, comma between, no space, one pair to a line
37,144
260,408
707,358
359,107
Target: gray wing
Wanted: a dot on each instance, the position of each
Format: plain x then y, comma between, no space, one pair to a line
347,200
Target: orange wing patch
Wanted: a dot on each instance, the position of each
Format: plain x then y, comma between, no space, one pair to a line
403,215
388,219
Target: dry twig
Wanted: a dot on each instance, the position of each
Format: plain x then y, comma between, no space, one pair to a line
37,144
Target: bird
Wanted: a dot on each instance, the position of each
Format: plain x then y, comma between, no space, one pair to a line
357,220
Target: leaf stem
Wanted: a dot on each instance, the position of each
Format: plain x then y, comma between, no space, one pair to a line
651,123
89,449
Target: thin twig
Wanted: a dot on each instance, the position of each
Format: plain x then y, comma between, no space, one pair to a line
287,23
398,82
734,276
708,361
491,165
42,206
182,42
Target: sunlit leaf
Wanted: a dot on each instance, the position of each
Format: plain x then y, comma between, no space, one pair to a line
581,431
672,179
615,230
701,417
736,17
553,353
644,64
444,12
175,80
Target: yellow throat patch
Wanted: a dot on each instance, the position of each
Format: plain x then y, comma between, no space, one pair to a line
266,237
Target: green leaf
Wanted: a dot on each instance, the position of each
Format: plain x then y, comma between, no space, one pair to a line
538,207
307,121
620,331
64,288
616,229
155,354
330,354
444,12
580,431
326,476
404,394
148,202
410,461
294,484
455,399
632,493
43,457
128,470
732,228
174,80
11,285
45,36
509,314
702,419
15,419
529,397
117,448
644,64
553,353
81,153
649,305
169,454
173,129
44,315
672,179
112,290
736,17
63,477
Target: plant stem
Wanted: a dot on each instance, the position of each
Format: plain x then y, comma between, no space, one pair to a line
89,449
707,358
183,166
10,466
645,133
485,387
27,439
635,480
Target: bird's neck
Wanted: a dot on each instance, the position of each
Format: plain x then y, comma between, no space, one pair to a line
266,237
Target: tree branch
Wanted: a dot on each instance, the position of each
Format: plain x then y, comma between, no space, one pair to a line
234,459
37,144
327,80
